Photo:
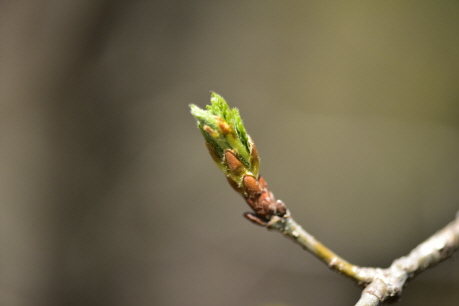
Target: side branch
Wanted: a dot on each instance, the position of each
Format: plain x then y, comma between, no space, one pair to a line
380,284
388,283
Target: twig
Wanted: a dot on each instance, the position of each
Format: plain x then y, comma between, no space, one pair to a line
235,154
388,283
289,228
381,284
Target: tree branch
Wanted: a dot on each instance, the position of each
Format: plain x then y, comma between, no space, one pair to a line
388,283
235,154
381,284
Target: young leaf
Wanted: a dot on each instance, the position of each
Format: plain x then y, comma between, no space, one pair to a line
227,140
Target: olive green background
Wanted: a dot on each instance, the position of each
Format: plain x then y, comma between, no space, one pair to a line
108,196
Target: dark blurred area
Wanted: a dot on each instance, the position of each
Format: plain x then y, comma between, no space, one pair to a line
108,195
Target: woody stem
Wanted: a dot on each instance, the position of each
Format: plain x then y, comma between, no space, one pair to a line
289,228
380,284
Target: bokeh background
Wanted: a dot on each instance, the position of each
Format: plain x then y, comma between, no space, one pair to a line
108,196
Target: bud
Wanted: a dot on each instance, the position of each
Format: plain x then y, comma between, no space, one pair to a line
228,143
235,154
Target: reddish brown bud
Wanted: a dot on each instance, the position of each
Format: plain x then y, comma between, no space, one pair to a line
251,186
234,164
262,201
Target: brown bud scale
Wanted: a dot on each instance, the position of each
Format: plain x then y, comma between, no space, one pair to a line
234,164
251,186
261,200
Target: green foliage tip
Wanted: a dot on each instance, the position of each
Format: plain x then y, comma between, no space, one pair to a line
223,130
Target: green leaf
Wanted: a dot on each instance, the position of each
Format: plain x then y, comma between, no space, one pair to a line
224,130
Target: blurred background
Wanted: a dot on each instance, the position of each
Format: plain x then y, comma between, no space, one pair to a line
108,195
